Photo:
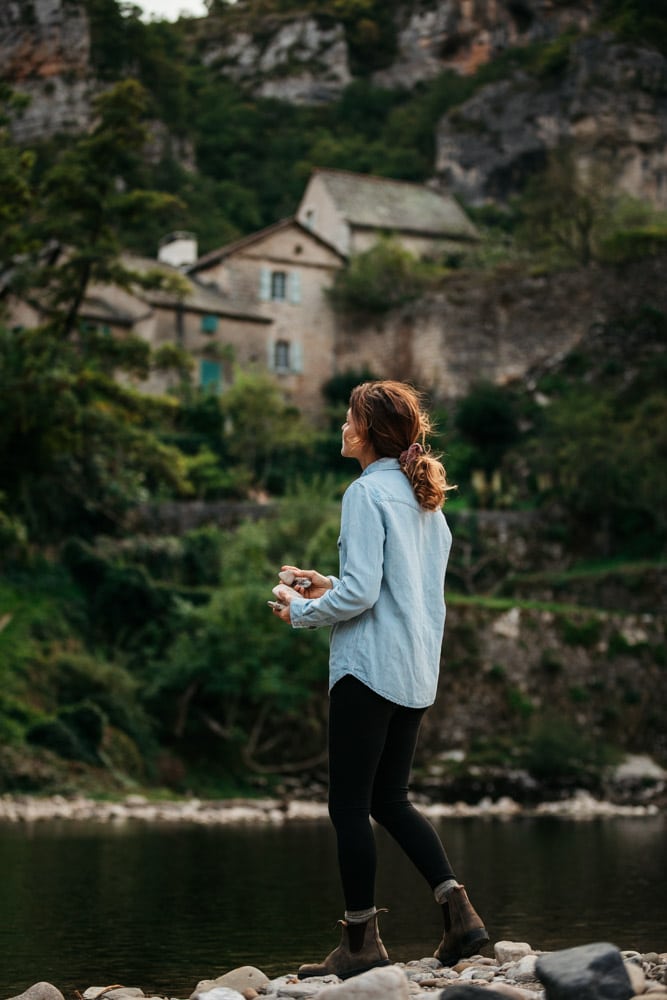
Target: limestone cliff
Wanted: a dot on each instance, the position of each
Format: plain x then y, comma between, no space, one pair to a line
608,96
610,99
45,54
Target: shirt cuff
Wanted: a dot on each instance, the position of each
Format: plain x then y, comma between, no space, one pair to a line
298,611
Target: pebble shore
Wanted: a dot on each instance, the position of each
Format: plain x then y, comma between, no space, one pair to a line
592,972
32,809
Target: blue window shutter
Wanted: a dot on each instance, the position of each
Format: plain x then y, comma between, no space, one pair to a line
270,354
294,287
264,284
209,324
297,358
210,375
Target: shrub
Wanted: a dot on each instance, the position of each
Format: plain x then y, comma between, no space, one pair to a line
380,279
557,749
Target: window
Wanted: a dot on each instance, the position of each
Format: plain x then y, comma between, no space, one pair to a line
278,286
210,375
281,356
285,357
310,218
209,324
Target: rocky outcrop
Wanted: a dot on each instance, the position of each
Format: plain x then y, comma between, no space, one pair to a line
610,99
44,54
448,34
299,60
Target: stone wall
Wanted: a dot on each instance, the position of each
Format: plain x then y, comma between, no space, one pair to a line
496,327
509,673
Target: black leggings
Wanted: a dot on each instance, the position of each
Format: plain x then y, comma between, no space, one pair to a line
371,746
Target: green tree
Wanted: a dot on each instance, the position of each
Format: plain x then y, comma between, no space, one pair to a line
261,701
566,209
78,446
486,421
261,427
81,206
607,466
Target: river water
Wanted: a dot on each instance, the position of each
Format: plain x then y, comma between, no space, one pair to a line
162,907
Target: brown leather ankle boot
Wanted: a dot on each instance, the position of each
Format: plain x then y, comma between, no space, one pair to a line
464,933
360,949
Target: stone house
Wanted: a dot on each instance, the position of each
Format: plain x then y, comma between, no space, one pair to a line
352,211
197,318
261,301
280,274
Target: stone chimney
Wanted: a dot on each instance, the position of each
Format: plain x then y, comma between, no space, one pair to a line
178,249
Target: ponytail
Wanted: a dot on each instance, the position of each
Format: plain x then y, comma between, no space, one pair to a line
389,415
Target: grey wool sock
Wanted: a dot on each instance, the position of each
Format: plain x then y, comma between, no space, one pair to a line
442,891
359,916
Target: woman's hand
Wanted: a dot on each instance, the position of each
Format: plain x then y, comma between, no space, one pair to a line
283,613
318,584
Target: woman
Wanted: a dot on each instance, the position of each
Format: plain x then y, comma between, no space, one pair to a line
388,613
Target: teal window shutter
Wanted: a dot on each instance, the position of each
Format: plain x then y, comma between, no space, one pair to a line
297,358
295,287
264,284
209,324
210,375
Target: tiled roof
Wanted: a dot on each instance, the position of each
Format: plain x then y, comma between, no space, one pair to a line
380,203
245,241
198,298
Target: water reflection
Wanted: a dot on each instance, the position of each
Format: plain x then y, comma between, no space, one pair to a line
162,907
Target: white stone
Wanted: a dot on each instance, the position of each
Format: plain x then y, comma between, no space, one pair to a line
508,625
299,991
40,991
220,993
523,971
636,976
387,983
511,951
238,979
636,767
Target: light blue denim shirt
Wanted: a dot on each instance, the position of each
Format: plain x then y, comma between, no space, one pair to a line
387,608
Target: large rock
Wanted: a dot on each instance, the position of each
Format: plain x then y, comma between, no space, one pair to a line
243,978
40,991
388,983
589,972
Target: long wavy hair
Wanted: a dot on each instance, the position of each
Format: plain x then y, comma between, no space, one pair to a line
391,417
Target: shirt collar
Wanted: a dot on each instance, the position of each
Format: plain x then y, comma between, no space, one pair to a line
381,465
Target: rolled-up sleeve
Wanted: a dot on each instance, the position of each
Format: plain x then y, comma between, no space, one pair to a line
361,558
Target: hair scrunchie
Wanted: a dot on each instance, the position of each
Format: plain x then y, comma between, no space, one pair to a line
411,454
